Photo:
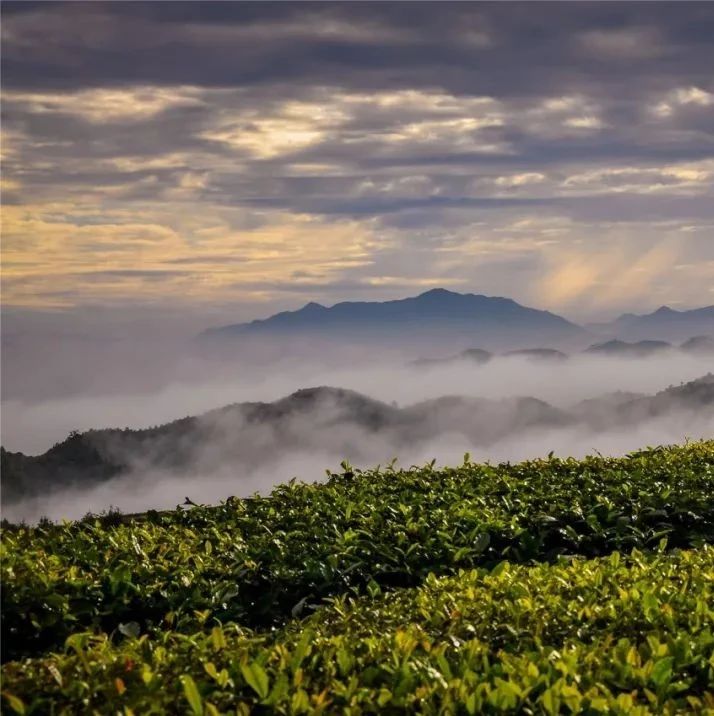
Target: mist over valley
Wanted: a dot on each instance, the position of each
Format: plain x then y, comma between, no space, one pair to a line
219,421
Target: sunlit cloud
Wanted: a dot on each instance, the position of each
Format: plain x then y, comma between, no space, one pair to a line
692,177
584,122
106,105
49,260
411,117
555,116
521,179
294,126
682,97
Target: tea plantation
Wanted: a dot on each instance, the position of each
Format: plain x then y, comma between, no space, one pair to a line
549,586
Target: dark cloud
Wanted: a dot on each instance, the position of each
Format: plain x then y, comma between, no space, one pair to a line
484,48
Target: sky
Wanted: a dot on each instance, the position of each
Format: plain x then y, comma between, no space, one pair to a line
204,163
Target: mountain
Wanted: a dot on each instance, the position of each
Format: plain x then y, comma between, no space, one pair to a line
478,356
325,424
664,324
246,433
699,345
435,315
538,354
599,411
632,409
621,349
470,355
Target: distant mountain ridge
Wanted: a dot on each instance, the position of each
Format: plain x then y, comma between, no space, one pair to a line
488,320
465,319
615,348
640,349
666,324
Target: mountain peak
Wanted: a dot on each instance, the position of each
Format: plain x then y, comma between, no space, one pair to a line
663,311
436,293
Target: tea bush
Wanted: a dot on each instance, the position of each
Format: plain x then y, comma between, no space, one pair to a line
211,607
261,561
626,635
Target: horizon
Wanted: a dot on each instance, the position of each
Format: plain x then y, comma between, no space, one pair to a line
19,319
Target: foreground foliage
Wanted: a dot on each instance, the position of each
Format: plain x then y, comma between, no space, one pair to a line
544,587
260,562
623,635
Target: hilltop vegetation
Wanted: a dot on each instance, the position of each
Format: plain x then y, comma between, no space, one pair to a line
360,593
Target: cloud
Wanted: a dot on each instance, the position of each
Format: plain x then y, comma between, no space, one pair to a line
686,177
105,105
520,179
363,145
628,43
52,256
586,122
682,97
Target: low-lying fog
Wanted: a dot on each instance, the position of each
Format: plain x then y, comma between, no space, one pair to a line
231,461
33,426
142,490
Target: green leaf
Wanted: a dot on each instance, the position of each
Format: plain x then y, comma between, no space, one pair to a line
218,638
344,661
280,690
444,666
500,568
384,697
550,701
300,702
302,649
192,694
15,704
256,678
662,671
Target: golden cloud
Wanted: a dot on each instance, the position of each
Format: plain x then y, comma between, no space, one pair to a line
53,255
107,105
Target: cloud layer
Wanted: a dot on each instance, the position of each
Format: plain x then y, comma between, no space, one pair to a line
224,154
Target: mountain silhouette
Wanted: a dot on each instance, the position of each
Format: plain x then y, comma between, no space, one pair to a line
446,315
640,349
539,354
665,324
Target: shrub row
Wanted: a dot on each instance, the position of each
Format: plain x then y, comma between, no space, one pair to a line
259,562
620,635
